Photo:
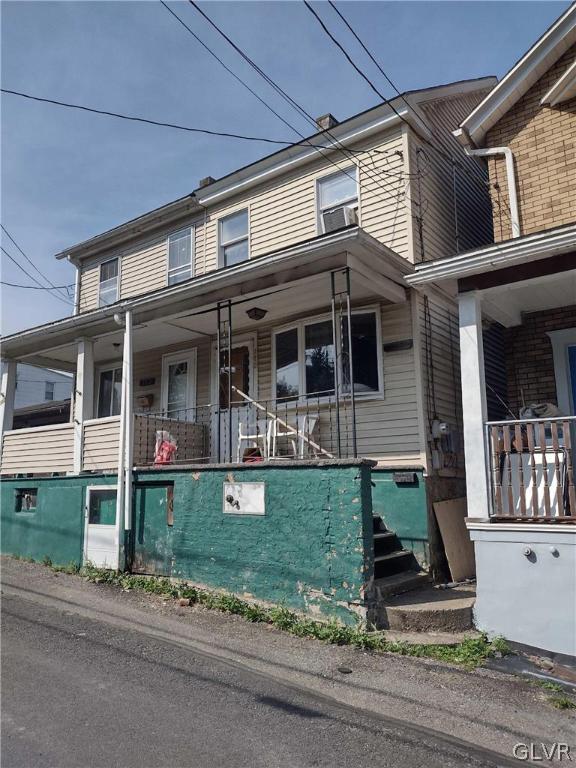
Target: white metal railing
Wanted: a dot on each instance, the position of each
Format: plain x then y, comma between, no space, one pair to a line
532,468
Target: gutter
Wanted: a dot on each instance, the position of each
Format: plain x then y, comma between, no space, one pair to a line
510,180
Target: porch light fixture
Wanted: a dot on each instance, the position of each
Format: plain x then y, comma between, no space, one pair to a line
255,313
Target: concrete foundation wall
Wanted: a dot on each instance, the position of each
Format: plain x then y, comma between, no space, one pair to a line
527,598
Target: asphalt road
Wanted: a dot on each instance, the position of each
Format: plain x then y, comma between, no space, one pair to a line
84,693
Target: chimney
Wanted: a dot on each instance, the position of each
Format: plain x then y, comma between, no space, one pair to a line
325,122
206,181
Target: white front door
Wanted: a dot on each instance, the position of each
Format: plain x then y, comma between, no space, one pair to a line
179,385
101,546
228,415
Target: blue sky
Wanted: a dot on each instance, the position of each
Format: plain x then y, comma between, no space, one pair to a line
67,176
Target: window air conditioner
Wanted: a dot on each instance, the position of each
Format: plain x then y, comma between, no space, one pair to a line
338,218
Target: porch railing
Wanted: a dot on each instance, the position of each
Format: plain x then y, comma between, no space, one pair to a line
532,469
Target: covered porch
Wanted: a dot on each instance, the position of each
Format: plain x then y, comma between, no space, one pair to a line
252,363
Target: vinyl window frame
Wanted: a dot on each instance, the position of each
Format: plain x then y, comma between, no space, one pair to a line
346,202
192,265
113,366
100,281
222,245
300,325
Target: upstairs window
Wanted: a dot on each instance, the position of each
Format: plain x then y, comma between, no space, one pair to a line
336,192
233,238
108,289
180,255
49,390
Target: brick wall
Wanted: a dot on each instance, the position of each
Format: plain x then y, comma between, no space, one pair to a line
530,365
543,140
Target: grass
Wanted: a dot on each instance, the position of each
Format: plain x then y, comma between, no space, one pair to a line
469,653
562,702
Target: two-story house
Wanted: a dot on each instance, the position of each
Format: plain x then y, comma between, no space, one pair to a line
517,301
254,377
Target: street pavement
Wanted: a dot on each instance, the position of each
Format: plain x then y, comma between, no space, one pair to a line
92,677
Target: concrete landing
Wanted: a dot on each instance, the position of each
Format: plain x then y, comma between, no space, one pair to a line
429,610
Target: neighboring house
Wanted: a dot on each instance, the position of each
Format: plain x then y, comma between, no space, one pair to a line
41,385
227,326
520,293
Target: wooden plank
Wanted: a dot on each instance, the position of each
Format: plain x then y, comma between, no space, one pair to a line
456,539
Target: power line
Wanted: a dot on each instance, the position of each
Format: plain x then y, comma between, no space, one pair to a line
56,295
35,287
301,111
29,260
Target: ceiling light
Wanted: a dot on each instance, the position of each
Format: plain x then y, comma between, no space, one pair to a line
255,313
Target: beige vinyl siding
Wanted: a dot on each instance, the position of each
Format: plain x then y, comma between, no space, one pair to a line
100,444
387,428
440,353
39,450
454,207
281,213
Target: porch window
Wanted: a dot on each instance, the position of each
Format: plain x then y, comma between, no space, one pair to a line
233,238
180,255
305,357
109,393
108,288
337,191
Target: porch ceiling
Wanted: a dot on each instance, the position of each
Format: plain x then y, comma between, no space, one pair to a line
292,289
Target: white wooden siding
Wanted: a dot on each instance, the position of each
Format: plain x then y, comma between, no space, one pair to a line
38,450
100,444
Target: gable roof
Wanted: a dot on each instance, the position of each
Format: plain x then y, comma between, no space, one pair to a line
538,60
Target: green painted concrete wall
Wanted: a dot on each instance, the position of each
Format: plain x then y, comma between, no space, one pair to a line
403,510
56,528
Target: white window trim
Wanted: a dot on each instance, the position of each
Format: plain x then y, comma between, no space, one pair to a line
192,230
104,261
320,211
246,237
189,356
99,370
299,326
561,340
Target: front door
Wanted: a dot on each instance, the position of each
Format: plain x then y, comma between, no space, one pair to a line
152,529
179,385
233,409
101,547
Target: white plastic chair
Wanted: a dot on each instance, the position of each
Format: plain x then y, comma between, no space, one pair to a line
304,428
254,432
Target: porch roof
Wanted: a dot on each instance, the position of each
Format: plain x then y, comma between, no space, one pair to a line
376,270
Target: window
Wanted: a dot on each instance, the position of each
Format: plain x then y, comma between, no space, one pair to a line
233,238
179,385
180,252
110,393
305,357
49,390
339,189
26,499
108,292
102,507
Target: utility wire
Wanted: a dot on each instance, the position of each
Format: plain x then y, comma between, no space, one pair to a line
29,260
35,287
56,295
301,111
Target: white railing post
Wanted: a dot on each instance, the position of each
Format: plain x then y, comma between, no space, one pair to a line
83,397
474,405
7,396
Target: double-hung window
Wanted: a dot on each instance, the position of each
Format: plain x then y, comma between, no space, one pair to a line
109,392
49,390
108,288
233,238
339,190
306,357
180,255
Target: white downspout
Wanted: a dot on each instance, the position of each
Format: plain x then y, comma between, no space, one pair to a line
121,455
129,425
510,180
76,285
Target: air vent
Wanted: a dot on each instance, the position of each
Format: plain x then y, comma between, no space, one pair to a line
338,218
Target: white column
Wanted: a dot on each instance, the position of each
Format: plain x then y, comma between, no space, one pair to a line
7,395
83,397
129,427
124,491
474,404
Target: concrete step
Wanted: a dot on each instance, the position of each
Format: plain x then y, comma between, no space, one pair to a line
384,589
394,563
385,543
431,610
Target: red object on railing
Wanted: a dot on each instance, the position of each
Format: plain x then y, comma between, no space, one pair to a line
165,448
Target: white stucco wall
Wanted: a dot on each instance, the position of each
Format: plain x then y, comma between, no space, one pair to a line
528,599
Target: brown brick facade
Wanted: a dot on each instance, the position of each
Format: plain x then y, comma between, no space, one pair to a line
543,140
530,366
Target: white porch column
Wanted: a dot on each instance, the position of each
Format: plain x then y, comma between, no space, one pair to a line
83,397
124,489
7,395
474,404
